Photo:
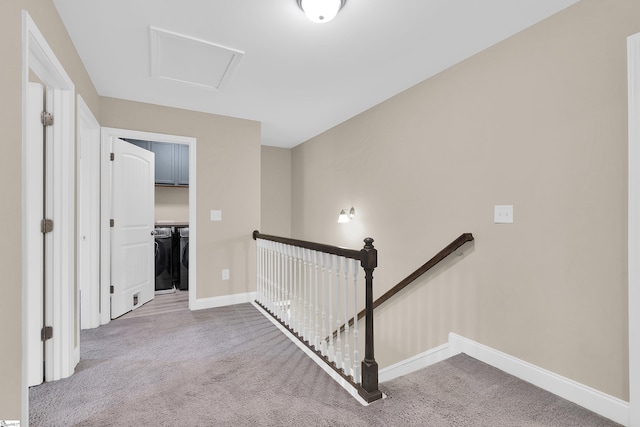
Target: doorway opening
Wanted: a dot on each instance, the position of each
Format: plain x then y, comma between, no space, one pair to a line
173,217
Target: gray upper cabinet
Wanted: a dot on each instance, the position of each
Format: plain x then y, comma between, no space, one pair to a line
165,168
144,144
182,156
172,161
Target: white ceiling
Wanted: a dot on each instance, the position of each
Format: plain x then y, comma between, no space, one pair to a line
296,77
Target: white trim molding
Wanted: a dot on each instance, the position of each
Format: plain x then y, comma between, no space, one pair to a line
221,301
587,397
601,403
61,352
633,70
88,216
412,364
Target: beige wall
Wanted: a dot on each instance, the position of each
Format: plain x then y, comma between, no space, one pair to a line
10,194
46,18
227,179
538,121
172,204
275,191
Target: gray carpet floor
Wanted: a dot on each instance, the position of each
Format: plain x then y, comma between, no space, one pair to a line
231,366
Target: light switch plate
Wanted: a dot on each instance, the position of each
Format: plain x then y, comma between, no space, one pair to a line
216,215
225,274
503,214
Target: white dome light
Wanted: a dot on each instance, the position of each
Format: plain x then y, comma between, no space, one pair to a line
321,11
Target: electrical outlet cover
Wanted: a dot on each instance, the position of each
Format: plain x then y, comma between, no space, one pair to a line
503,214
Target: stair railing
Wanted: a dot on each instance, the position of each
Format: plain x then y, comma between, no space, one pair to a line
312,289
435,260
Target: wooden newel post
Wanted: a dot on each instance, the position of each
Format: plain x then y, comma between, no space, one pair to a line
369,261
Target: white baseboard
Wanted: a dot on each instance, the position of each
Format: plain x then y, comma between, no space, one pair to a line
603,404
414,363
212,302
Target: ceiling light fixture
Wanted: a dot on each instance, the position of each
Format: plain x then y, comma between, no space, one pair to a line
321,11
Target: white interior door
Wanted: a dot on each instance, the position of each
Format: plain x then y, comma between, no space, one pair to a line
34,239
132,240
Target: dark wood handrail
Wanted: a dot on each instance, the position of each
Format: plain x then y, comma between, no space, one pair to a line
448,250
320,247
437,258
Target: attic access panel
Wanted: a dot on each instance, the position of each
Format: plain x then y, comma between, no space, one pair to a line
190,60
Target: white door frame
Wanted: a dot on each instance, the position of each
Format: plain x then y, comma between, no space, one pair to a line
633,55
88,211
62,351
105,209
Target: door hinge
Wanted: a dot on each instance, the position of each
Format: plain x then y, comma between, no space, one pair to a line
112,223
111,289
46,118
46,333
112,156
46,225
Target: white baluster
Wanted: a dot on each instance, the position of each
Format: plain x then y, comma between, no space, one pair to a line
276,281
294,281
258,264
285,285
331,349
291,288
347,354
316,305
262,272
273,291
356,356
300,291
258,270
310,335
306,295
323,347
338,325
298,266
281,284
267,272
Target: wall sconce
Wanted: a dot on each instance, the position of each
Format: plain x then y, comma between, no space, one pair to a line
346,217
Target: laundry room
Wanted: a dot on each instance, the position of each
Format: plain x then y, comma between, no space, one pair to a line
171,215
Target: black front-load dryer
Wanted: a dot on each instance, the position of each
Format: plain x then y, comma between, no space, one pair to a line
184,258
164,276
